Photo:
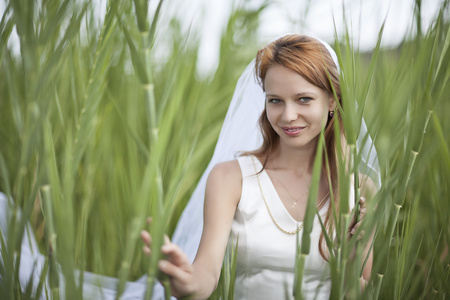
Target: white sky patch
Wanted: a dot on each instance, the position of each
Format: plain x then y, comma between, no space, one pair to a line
215,17
364,19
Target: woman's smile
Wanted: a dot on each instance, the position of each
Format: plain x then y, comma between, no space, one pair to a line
293,131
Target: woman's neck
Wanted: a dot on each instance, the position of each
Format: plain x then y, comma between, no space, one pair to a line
296,160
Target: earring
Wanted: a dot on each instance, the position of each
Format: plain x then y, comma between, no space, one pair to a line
331,113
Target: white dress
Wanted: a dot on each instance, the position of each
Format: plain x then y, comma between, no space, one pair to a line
265,254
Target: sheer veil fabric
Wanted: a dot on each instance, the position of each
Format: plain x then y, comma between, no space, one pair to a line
240,132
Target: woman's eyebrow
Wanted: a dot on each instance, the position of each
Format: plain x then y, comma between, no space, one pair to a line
272,95
297,95
306,94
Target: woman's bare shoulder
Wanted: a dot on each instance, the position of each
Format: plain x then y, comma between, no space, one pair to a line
228,171
230,167
226,177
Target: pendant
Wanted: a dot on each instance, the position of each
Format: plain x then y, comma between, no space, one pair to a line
294,204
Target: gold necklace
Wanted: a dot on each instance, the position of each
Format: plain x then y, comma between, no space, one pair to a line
270,212
294,204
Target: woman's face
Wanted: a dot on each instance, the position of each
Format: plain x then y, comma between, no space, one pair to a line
296,109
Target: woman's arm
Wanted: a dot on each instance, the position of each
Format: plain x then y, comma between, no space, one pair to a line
198,280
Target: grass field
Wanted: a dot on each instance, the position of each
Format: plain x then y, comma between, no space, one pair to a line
90,141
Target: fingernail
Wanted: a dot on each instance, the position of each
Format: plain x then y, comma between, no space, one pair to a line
352,231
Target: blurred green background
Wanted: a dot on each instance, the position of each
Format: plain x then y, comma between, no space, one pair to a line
107,120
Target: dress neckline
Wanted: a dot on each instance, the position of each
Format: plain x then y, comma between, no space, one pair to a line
274,201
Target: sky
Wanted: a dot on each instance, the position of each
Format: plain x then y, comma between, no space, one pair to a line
312,17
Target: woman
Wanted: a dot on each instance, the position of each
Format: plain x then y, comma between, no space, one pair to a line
261,197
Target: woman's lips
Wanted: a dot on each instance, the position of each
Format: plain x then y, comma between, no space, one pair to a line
292,131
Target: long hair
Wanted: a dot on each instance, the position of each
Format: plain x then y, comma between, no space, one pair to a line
311,60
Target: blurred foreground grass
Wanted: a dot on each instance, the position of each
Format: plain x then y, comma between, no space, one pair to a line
98,131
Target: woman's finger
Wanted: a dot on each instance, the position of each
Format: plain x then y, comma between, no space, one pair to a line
362,201
362,207
173,270
362,213
354,225
166,239
147,250
175,255
355,228
146,238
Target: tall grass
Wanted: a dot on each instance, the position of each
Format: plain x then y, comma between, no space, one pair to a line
98,132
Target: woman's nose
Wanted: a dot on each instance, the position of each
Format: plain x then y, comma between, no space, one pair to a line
290,113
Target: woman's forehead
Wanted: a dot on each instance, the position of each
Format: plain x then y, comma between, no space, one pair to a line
281,80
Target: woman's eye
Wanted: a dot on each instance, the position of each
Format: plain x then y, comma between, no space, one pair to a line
274,101
304,99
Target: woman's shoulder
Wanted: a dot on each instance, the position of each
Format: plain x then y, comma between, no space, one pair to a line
225,178
226,168
226,173
235,170
234,167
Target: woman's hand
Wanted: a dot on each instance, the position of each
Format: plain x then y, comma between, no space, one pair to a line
199,279
367,253
355,223
176,265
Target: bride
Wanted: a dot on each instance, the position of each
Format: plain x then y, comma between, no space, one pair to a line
261,197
